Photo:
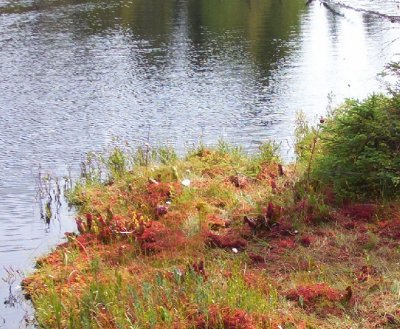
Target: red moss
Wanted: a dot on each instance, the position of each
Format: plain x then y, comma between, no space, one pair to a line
120,224
89,221
52,259
105,234
239,181
254,279
382,224
365,241
270,171
273,211
287,243
116,253
104,317
84,240
213,172
365,272
159,192
280,228
306,240
303,206
199,268
204,153
151,235
225,241
351,225
161,210
312,213
389,229
101,221
321,299
227,274
360,211
225,317
156,237
257,258
215,222
313,292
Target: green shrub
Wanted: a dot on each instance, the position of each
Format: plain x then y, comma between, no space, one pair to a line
269,152
116,162
359,148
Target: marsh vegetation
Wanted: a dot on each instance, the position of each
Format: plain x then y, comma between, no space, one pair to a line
224,239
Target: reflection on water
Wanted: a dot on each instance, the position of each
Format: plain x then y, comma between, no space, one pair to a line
76,73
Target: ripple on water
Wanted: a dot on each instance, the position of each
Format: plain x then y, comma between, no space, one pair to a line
73,75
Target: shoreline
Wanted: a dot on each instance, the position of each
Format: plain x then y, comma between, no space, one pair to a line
218,239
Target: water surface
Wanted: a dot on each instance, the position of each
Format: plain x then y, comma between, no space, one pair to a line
75,73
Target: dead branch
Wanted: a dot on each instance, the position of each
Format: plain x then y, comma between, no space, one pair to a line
329,4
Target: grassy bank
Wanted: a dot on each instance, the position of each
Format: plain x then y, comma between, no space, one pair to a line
223,239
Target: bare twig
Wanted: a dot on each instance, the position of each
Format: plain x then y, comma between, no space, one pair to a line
392,18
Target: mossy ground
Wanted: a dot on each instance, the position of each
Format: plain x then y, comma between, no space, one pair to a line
238,245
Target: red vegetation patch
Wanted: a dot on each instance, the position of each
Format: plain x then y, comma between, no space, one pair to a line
280,228
225,241
120,224
254,279
239,181
287,243
273,211
89,221
389,229
104,317
366,241
319,298
342,220
225,317
215,222
271,223
117,253
159,192
312,292
365,272
156,237
213,172
350,225
392,320
270,171
360,211
105,234
306,240
53,259
204,153
84,240
312,212
199,268
257,258
161,210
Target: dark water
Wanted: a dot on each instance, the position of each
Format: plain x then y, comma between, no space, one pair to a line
74,74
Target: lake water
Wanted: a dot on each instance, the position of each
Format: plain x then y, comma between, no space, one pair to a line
75,74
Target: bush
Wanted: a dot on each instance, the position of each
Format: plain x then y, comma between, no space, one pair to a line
359,148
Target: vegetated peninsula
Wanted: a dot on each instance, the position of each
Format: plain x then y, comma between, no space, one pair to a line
223,239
